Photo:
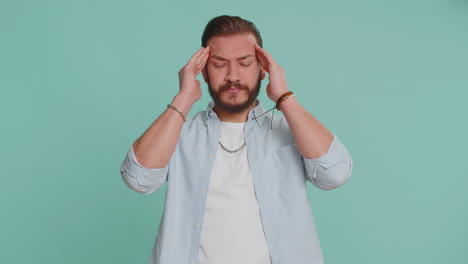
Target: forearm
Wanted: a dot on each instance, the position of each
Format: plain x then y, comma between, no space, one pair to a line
312,138
155,147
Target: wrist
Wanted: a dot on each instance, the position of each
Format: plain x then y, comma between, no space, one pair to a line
191,95
184,102
286,104
277,95
283,97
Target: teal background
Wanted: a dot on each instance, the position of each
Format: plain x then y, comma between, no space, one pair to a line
81,80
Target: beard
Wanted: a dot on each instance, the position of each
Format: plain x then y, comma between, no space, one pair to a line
239,107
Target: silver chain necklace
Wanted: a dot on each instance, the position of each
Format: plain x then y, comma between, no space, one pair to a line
231,151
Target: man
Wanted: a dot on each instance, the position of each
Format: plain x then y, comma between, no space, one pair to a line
236,178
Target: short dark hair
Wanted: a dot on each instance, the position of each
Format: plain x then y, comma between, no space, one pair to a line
229,25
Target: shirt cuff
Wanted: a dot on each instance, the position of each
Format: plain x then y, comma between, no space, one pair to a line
140,178
332,169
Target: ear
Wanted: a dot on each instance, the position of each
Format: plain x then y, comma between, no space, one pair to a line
205,73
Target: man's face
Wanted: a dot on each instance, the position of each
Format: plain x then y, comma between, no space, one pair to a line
233,73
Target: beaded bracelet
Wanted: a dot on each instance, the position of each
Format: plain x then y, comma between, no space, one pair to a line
178,110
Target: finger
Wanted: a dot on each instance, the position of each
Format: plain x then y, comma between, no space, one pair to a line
200,66
195,56
202,56
202,63
266,55
262,58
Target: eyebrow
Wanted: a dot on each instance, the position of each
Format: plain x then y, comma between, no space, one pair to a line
224,59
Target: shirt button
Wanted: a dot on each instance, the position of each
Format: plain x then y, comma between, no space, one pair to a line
197,226
203,189
210,156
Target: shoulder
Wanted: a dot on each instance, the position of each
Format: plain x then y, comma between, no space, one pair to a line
275,130
194,122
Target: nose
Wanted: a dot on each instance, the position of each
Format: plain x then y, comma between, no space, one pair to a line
232,74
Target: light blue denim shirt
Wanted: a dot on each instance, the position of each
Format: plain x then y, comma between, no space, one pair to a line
279,175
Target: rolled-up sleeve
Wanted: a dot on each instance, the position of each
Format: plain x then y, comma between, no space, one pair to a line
332,169
139,178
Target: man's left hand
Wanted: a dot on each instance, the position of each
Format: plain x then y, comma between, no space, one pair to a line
277,78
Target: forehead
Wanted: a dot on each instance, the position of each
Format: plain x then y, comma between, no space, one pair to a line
232,46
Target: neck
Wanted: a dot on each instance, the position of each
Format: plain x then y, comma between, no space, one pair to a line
240,117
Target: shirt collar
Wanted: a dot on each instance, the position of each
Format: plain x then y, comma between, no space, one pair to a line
253,116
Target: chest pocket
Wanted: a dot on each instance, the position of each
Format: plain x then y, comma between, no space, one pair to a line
289,169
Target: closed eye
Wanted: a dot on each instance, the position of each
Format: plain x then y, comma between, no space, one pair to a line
219,65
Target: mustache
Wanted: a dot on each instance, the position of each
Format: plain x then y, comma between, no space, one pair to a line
226,86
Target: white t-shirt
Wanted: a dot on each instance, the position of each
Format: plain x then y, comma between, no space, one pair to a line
232,229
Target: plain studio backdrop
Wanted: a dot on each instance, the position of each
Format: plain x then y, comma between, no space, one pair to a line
81,80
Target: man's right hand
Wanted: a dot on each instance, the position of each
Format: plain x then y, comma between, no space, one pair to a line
189,85
155,147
